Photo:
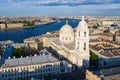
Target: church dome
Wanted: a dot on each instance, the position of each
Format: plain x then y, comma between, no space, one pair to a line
66,30
82,23
66,33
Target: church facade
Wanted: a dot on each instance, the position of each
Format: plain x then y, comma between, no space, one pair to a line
74,45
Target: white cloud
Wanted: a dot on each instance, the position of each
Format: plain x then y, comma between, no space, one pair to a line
66,2
42,2
112,6
72,2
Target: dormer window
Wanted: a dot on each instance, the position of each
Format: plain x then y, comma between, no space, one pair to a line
84,34
79,33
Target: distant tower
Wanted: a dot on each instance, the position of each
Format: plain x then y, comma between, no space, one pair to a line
82,43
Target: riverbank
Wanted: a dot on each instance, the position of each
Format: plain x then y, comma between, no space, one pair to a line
42,24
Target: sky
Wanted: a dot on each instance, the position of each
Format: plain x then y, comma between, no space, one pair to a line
59,7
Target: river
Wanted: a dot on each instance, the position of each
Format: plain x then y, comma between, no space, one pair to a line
18,35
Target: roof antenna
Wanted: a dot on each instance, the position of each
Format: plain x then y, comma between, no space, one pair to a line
83,18
66,20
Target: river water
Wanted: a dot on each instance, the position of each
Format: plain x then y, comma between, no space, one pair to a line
18,35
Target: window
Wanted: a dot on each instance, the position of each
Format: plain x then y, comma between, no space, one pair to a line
24,68
21,69
27,68
8,70
33,67
3,75
2,70
15,70
66,38
9,75
84,34
5,70
12,70
84,46
79,33
78,46
6,75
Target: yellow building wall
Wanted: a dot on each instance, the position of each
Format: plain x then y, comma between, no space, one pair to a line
2,26
34,46
106,37
15,25
118,39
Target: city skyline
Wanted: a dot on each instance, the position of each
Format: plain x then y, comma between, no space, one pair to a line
59,7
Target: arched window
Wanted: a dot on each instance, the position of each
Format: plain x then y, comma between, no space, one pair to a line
78,45
66,38
84,34
79,33
84,46
11,69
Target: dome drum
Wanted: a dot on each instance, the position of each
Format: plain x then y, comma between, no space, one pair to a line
66,34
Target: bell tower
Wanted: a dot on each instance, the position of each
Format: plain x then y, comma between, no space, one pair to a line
82,43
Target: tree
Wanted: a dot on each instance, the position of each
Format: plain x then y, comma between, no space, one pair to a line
89,27
95,27
28,23
94,59
18,52
32,23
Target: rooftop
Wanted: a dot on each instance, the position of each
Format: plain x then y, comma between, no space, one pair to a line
30,39
6,42
95,47
110,71
108,52
95,40
48,35
106,34
19,45
40,59
70,46
57,42
107,72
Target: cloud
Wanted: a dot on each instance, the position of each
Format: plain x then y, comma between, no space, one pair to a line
115,7
11,1
59,2
66,2
73,2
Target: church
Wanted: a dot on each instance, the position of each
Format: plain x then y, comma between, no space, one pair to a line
74,45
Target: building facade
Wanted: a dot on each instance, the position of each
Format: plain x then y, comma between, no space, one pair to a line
40,66
103,74
109,54
2,26
74,47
